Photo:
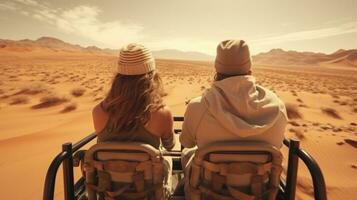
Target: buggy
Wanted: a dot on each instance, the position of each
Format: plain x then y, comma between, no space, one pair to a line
211,159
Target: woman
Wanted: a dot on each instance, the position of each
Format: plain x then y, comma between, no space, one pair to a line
133,109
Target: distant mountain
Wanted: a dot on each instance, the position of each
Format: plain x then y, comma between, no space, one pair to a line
49,46
181,55
55,43
280,57
45,46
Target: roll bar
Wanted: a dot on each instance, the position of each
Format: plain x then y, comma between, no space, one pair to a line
65,158
72,190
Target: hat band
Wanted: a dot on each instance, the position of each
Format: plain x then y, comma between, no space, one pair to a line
136,69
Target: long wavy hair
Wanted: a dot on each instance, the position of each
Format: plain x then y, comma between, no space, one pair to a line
132,98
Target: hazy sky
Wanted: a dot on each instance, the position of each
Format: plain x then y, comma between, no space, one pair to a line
189,25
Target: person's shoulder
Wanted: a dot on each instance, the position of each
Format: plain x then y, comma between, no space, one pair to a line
275,98
195,103
270,94
100,118
97,110
195,108
161,122
163,114
196,100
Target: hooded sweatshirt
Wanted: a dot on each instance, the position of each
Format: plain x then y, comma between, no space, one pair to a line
235,109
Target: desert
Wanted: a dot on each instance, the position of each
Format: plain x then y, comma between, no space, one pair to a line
48,89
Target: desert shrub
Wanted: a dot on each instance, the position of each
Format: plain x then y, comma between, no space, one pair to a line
98,89
69,107
294,94
32,89
331,112
354,110
53,99
5,96
98,98
294,123
351,142
343,103
299,100
298,133
303,106
21,99
293,111
335,96
336,101
50,100
77,92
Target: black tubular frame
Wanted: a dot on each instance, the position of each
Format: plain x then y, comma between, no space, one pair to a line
65,158
73,190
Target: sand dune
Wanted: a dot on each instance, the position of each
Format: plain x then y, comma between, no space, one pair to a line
347,58
325,100
49,46
344,58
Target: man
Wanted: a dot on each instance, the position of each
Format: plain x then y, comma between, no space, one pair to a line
235,108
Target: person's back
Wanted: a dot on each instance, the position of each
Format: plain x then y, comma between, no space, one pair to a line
235,107
141,135
133,110
157,131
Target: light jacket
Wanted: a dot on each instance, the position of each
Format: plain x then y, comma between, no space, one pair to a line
237,109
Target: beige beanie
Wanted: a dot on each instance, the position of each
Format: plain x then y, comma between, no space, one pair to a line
233,58
135,59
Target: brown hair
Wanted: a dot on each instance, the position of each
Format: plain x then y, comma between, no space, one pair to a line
132,98
218,76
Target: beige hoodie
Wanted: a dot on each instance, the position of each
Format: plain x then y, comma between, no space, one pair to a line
234,109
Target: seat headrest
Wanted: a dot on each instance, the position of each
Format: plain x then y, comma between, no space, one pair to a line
233,147
134,147
255,158
128,156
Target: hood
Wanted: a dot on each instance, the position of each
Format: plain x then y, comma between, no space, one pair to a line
242,107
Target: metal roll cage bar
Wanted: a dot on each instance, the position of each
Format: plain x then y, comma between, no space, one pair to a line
74,190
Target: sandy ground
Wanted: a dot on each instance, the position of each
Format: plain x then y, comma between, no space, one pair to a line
47,102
